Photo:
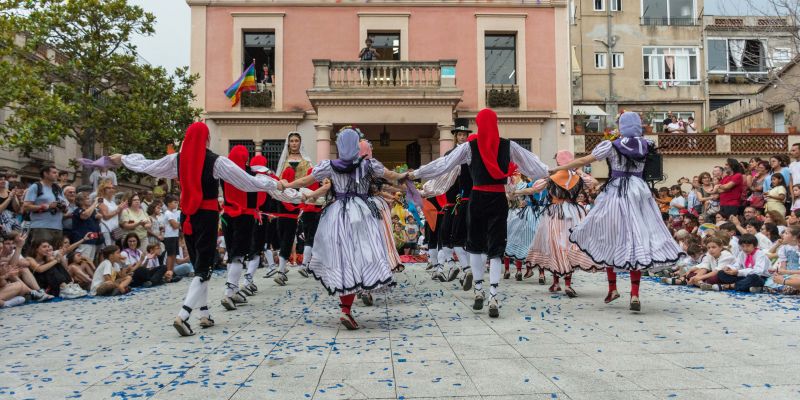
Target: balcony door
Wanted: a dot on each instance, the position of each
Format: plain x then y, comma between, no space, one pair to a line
387,44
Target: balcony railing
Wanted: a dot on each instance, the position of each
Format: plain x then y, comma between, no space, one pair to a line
705,144
502,96
384,74
664,21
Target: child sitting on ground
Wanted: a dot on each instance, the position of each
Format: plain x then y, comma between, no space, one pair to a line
81,269
717,257
733,244
694,255
786,277
109,278
750,271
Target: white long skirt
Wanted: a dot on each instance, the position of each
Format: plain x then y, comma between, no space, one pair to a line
551,248
522,225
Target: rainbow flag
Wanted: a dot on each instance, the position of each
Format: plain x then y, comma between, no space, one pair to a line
245,82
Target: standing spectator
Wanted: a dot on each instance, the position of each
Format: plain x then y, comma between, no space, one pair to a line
776,196
368,53
756,184
86,220
63,179
706,195
730,188
794,167
674,127
172,225
676,204
99,175
777,164
110,212
135,220
667,121
66,223
46,205
690,126
147,199
8,217
412,235
155,234
161,189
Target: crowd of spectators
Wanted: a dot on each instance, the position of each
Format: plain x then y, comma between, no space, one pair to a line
62,240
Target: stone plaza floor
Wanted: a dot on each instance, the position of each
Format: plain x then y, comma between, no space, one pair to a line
422,340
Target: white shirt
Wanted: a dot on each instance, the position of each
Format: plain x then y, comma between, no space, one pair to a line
528,163
726,259
105,268
673,127
169,231
690,127
794,170
760,267
96,176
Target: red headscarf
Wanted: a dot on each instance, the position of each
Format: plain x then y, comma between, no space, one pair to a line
259,161
235,199
192,157
489,142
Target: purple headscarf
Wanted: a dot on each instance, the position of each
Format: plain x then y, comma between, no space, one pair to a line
347,146
631,144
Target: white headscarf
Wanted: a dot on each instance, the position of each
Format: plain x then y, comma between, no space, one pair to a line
285,152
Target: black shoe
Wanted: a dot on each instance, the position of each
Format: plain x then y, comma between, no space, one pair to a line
367,299
570,292
466,284
518,276
636,305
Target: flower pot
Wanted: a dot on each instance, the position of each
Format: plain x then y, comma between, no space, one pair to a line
792,130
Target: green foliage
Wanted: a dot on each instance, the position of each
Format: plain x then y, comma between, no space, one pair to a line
75,74
502,97
261,99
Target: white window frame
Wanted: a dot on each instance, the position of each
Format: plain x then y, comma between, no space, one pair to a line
669,17
600,61
616,5
660,116
764,42
617,60
690,81
602,4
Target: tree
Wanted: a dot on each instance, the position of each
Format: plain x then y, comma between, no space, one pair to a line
68,69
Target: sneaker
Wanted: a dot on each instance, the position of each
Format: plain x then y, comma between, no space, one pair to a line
182,327
708,286
206,322
228,303
271,270
71,293
40,296
480,296
238,298
494,307
281,279
466,284
147,284
303,271
755,289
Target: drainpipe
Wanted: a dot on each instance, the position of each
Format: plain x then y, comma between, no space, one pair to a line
610,108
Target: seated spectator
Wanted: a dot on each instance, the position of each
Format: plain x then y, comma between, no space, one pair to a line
15,279
774,217
50,272
81,269
730,229
750,270
676,204
183,265
793,218
771,231
109,278
694,254
786,277
663,199
132,257
151,273
716,258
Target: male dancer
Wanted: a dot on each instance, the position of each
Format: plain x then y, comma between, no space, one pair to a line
491,161
198,170
237,227
255,203
309,220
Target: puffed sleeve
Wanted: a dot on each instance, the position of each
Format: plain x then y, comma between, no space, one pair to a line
440,166
602,150
322,170
165,167
528,162
377,168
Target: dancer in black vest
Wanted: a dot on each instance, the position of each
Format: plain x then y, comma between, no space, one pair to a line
491,160
198,170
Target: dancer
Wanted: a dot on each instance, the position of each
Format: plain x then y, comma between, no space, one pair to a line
309,220
624,230
294,163
491,161
551,248
453,236
237,227
350,255
198,170
522,221
255,206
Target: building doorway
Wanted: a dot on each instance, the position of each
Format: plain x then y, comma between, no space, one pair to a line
395,145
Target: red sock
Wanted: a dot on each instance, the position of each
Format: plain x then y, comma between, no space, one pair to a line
555,279
636,277
506,262
518,263
612,279
568,280
347,302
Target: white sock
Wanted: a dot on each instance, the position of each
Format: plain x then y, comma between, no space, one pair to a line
463,257
307,251
495,271
433,255
270,257
446,254
234,274
252,266
282,264
14,301
202,301
192,295
477,272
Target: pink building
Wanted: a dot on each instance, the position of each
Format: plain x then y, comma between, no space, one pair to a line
432,61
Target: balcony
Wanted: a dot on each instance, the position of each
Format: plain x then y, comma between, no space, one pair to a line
385,82
262,98
738,77
704,144
665,21
502,96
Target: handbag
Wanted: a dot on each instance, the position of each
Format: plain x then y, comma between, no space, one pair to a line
116,233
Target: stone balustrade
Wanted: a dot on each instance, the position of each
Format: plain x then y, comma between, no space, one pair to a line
705,144
384,74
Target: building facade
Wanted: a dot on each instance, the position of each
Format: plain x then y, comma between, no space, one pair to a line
433,61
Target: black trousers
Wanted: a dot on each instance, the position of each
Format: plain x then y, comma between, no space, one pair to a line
458,230
486,229
310,222
287,228
272,237
52,279
202,243
258,237
741,283
431,236
154,275
445,230
238,232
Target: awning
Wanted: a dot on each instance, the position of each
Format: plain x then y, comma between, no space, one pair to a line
588,110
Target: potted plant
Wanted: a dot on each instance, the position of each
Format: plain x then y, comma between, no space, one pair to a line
788,121
580,118
722,117
647,121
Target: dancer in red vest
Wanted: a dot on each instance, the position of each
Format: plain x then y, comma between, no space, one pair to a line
198,171
491,161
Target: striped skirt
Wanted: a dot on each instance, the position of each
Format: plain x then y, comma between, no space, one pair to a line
350,254
522,224
386,224
624,229
551,248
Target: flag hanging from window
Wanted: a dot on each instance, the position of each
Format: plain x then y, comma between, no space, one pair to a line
246,82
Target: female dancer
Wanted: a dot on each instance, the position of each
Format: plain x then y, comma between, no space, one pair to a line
551,248
522,222
625,230
293,164
350,255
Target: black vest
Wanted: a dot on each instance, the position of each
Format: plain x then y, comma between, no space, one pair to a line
480,175
209,185
465,181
